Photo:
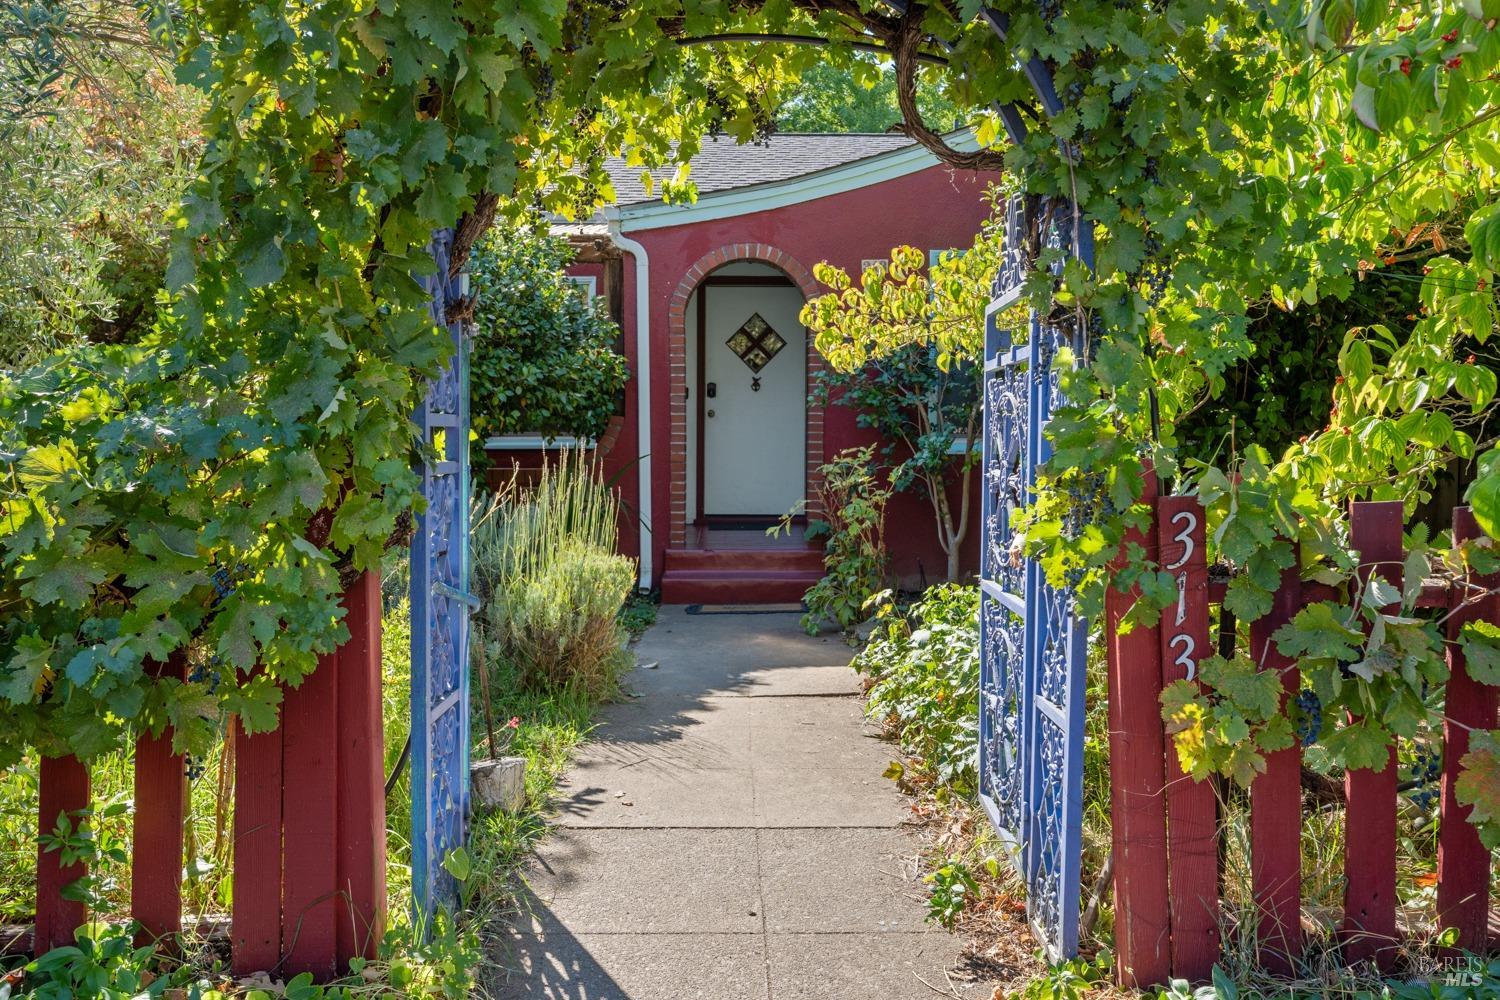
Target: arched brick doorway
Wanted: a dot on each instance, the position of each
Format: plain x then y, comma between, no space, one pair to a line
677,363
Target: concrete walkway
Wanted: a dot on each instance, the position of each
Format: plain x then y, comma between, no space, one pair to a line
728,835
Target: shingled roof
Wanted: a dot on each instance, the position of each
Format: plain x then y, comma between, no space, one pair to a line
723,165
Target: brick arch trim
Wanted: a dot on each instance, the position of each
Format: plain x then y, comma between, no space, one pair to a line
677,367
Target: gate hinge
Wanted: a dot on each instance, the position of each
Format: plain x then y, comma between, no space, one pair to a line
467,599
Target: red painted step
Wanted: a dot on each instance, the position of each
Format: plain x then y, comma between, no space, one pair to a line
767,575
807,560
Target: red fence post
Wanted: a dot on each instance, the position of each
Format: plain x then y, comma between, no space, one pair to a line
309,856
1143,928
156,861
64,788
1192,808
361,769
255,931
1369,927
1276,802
1463,892
309,813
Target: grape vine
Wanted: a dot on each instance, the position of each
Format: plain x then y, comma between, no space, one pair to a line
205,490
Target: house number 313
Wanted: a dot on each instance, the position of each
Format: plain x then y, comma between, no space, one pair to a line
1182,643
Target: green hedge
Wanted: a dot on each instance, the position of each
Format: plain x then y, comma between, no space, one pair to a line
544,358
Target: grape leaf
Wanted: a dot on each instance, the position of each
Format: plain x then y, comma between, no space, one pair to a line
1480,642
1479,785
28,670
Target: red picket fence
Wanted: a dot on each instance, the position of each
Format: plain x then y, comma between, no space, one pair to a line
1166,827
309,822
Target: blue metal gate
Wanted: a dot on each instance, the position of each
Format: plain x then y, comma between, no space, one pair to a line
1032,641
440,605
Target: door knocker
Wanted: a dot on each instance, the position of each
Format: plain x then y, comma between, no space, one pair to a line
755,384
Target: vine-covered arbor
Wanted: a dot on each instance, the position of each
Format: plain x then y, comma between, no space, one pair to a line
204,496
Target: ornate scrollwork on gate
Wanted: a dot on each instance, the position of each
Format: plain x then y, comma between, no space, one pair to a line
440,605
1031,639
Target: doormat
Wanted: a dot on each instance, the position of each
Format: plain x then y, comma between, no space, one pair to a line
746,609
742,524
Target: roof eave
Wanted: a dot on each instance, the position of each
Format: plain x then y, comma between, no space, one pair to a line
766,195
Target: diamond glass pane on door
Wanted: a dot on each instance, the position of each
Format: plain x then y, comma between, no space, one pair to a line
755,343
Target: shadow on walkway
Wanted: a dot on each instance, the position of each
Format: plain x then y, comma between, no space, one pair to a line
727,833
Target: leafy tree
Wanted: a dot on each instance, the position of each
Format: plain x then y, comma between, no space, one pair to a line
544,357
929,420
1281,392
858,98
98,146
209,488
921,389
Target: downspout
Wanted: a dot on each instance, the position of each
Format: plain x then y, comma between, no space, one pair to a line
642,382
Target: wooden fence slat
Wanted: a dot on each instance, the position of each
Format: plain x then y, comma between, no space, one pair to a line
361,765
156,860
255,930
1463,891
1276,803
1369,927
64,788
1192,808
309,811
1143,930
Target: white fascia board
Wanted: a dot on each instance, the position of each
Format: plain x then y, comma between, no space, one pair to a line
794,191
535,442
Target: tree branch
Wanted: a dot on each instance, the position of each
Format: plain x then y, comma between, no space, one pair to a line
907,54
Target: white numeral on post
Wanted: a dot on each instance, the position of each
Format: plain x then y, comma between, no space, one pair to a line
1185,658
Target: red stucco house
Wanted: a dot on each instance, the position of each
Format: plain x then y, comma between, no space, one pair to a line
717,437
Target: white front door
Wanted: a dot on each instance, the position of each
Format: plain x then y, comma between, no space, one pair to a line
754,422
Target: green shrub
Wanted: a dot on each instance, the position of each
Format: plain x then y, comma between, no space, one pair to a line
544,357
854,554
925,667
550,581
563,624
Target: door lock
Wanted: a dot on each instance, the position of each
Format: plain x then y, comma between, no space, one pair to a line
711,390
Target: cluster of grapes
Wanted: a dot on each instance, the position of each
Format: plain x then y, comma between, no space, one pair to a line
1310,722
1424,773
207,672
194,766
544,83
1087,497
224,585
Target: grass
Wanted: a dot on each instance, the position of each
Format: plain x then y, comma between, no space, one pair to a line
550,727
207,887
549,644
